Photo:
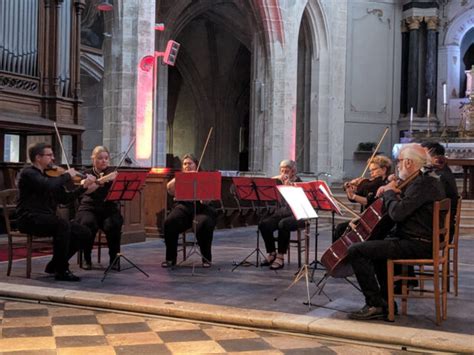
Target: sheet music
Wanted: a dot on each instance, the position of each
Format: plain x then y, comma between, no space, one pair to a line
328,195
298,202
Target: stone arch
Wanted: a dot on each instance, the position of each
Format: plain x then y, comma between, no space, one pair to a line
316,151
217,42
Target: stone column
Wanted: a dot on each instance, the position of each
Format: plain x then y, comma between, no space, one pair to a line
404,78
412,90
431,50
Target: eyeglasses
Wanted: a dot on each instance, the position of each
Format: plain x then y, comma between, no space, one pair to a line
375,169
399,160
48,155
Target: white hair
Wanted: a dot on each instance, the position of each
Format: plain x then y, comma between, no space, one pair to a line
417,154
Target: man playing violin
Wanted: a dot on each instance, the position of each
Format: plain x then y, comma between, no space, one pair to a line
282,220
412,212
95,212
38,197
362,190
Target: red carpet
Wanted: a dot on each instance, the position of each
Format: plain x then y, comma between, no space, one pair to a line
20,253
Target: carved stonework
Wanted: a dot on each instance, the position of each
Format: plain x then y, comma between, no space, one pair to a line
432,22
414,22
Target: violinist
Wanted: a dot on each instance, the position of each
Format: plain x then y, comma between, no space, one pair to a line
363,190
39,195
437,154
282,220
181,219
412,212
95,212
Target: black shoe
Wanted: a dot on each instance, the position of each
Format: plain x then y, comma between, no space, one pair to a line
168,263
50,269
66,276
368,312
268,260
385,311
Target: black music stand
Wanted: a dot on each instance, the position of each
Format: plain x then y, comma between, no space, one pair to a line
197,186
259,190
124,188
321,201
302,209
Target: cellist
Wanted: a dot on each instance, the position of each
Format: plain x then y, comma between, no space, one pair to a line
412,212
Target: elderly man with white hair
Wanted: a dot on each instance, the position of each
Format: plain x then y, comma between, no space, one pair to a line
412,212
282,220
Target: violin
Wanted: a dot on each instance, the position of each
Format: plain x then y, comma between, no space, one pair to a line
55,171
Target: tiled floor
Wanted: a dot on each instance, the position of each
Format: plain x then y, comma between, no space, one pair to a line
31,328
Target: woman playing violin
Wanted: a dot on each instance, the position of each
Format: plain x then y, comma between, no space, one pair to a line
181,218
94,212
362,190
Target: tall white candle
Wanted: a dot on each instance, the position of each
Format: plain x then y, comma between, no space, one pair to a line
445,101
428,108
411,118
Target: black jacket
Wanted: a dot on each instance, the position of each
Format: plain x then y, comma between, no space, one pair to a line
413,211
96,200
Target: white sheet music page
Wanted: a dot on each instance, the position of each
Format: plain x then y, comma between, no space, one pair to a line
328,195
298,202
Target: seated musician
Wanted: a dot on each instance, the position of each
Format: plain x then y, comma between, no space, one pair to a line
282,220
363,190
181,219
412,212
94,212
36,209
446,176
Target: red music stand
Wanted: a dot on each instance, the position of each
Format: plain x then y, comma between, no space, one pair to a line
197,186
255,189
124,188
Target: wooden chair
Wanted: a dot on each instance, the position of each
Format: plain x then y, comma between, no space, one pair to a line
29,241
184,242
438,263
453,247
302,244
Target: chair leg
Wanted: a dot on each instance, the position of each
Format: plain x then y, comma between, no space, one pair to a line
29,247
390,291
444,290
436,295
10,255
455,270
99,246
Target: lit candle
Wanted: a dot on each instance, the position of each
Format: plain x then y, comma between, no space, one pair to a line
445,101
428,109
411,118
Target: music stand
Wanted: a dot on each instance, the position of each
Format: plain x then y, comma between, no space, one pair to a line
256,190
194,187
302,209
124,188
318,194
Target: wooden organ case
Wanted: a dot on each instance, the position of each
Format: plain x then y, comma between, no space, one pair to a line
40,72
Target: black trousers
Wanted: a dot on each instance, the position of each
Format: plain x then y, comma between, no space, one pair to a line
369,262
68,237
283,221
180,219
110,223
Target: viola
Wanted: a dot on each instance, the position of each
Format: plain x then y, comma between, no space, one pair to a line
373,222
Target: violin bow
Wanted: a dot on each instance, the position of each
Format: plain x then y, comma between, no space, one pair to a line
61,144
204,149
125,154
375,151
347,208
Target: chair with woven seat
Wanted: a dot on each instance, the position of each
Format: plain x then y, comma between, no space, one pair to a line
29,241
438,265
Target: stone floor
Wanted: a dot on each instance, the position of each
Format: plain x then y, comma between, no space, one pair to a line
250,287
30,328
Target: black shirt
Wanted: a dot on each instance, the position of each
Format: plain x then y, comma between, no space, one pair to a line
96,200
39,193
413,212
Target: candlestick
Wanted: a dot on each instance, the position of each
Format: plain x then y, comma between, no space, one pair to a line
445,101
428,133
411,119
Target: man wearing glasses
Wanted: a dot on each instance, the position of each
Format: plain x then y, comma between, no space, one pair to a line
38,197
412,212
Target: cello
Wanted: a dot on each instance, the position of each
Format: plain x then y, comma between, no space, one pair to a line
372,221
